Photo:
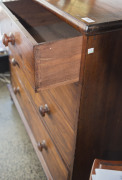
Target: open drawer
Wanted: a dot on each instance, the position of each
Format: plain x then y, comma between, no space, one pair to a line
47,48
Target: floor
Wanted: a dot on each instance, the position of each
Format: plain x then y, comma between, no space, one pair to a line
18,160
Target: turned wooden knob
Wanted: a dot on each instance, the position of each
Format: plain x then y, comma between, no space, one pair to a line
44,110
42,145
16,90
13,62
6,39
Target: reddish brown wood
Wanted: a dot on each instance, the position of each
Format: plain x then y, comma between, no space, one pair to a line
99,126
8,39
89,84
42,145
14,62
50,154
67,98
103,164
106,15
38,13
55,121
27,127
16,90
24,56
96,105
41,24
57,63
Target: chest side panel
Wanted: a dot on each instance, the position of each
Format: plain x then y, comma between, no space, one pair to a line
100,118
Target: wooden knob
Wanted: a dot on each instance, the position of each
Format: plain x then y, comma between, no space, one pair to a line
42,145
13,62
16,90
44,110
6,39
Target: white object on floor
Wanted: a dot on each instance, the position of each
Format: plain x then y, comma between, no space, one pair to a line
106,174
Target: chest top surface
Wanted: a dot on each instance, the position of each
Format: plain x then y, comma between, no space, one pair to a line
103,14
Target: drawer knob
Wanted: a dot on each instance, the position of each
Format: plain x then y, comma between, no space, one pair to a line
44,110
6,39
13,62
42,145
16,90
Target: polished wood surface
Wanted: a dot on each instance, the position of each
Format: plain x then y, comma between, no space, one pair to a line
57,64
107,15
29,131
8,39
83,118
50,154
36,11
64,96
9,24
56,122
40,23
100,124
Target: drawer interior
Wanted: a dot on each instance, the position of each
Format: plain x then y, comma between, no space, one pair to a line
43,25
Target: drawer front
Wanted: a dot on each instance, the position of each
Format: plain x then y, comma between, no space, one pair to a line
55,121
68,99
48,59
44,142
22,48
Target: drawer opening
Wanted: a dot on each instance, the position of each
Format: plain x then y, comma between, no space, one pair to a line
43,25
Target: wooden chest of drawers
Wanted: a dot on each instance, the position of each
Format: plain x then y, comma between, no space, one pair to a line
66,80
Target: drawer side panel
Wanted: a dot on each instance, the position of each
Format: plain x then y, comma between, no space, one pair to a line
57,63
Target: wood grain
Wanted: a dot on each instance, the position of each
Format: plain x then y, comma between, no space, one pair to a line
33,14
23,48
51,155
27,127
57,62
39,22
56,122
68,99
103,164
99,126
97,95
106,15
